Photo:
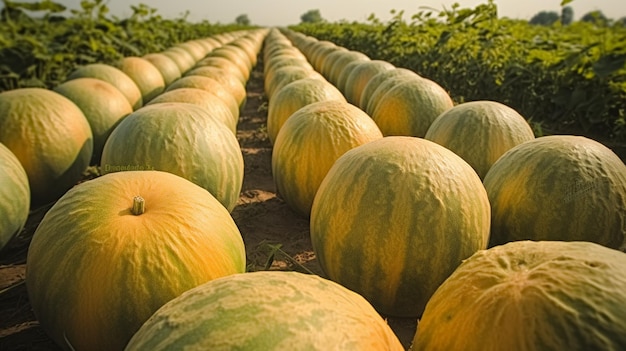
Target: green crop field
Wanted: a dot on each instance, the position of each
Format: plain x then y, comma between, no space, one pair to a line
562,78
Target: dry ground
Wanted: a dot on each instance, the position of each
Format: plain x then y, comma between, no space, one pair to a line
275,236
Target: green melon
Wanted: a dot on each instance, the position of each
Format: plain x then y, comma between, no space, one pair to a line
360,75
410,107
393,218
381,84
50,136
294,96
14,196
266,311
559,187
308,144
180,138
530,296
114,249
480,132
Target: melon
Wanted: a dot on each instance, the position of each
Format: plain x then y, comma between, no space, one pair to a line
393,218
115,77
360,75
225,64
167,67
277,79
376,81
558,187
103,105
148,78
336,61
212,86
181,57
134,241
211,102
14,196
229,81
527,296
180,138
294,96
308,144
480,132
50,136
267,310
410,107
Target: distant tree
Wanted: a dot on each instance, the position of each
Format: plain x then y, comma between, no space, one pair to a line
596,17
242,20
621,22
567,15
544,18
311,16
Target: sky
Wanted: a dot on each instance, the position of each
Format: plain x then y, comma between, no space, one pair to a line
287,12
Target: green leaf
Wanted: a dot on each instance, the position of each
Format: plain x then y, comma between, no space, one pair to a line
565,2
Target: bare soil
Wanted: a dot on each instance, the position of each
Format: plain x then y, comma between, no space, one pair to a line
276,237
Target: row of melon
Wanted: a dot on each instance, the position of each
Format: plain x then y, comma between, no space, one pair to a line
393,219
114,249
56,134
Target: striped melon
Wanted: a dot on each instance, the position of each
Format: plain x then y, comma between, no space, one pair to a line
530,296
393,218
14,196
180,138
381,84
133,241
358,78
308,144
266,311
50,136
294,96
480,132
410,107
559,187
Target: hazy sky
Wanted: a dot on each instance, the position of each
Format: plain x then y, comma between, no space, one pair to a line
286,12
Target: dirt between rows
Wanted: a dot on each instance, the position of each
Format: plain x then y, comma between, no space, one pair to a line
276,237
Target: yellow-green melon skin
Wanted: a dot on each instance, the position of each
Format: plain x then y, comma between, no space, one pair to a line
95,272
50,136
115,77
558,187
309,143
180,138
480,132
103,105
393,218
167,67
294,96
530,296
203,98
146,75
268,310
14,196
410,107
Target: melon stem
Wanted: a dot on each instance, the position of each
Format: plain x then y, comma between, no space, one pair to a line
139,206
